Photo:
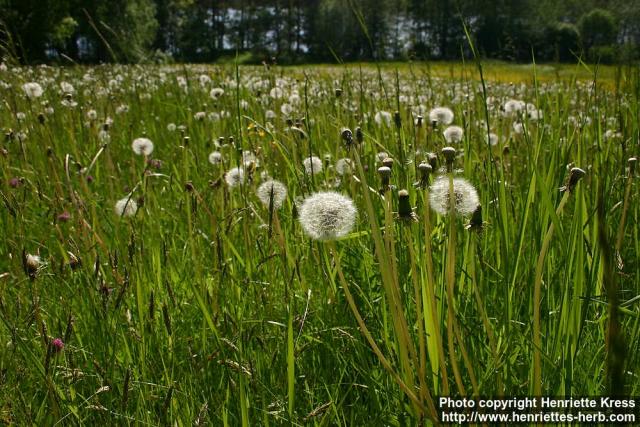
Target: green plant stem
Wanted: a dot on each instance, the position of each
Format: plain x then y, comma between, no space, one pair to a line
433,328
450,282
537,290
431,413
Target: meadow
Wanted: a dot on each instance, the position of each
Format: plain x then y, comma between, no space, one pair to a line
331,246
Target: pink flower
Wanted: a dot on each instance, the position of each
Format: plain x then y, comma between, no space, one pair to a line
64,216
57,345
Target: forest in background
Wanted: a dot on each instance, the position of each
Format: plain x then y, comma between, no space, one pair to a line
303,31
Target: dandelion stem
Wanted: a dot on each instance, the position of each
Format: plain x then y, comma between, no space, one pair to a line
419,315
450,282
625,208
432,320
432,413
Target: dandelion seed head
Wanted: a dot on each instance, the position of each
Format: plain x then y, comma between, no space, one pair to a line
32,90
513,106
453,134
276,93
286,109
327,215
518,128
465,194
204,79
126,207
215,157
441,116
216,92
234,177
32,263
249,158
312,165
382,117
104,136
269,189
381,156
67,87
142,146
344,167
492,139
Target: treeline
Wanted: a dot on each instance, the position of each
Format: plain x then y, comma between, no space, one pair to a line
293,31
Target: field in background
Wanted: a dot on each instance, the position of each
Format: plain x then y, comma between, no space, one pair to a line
506,72
148,281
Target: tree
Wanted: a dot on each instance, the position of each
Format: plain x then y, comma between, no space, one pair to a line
564,40
597,28
35,26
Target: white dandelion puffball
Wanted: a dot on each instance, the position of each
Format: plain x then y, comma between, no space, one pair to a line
441,115
327,215
344,167
204,79
453,134
215,157
104,136
513,106
276,93
492,139
216,92
249,158
286,109
518,128
67,87
466,196
33,261
126,207
272,189
381,156
234,177
382,117
312,165
142,146
32,90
